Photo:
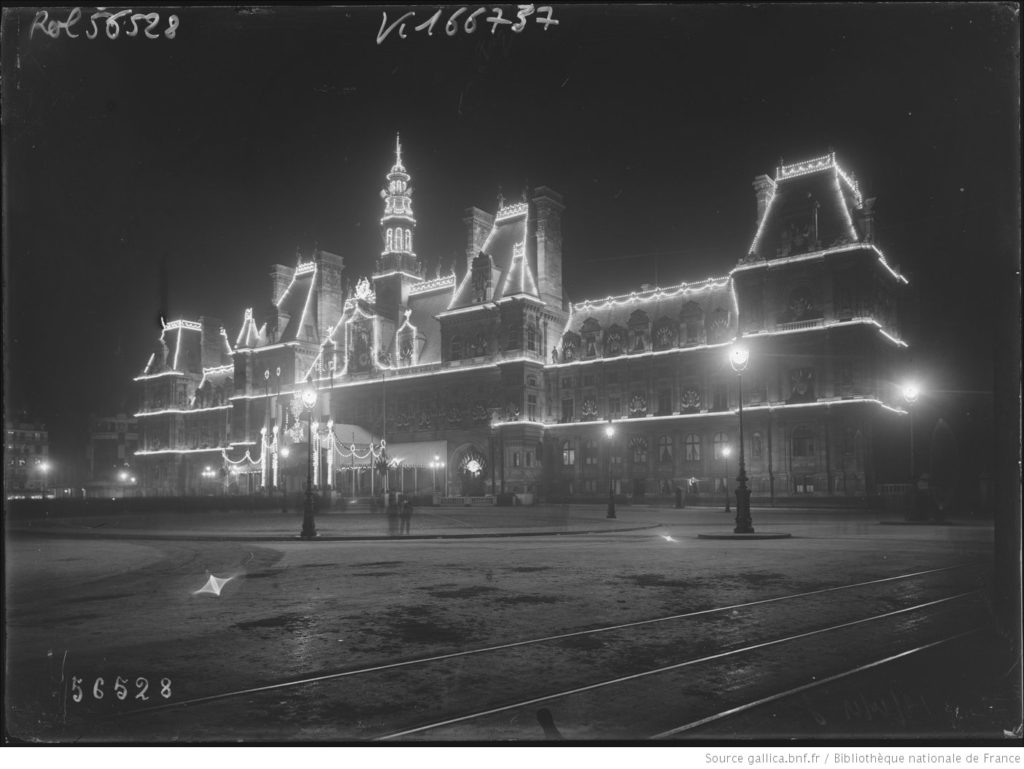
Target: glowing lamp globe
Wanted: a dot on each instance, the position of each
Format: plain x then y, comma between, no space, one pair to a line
609,431
726,451
738,357
910,392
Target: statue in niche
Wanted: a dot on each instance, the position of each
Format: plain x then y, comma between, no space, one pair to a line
613,343
554,355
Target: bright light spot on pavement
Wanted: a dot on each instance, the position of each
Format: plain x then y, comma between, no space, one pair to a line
213,585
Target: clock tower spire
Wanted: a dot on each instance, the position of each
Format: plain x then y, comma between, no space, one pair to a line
397,266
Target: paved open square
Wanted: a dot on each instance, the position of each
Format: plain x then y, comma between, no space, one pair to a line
493,624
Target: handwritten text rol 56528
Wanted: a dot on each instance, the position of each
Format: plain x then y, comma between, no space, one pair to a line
459,20
54,27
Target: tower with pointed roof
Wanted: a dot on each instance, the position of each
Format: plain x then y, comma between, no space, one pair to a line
397,267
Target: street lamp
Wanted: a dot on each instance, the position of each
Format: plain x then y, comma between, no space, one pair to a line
911,391
308,524
739,356
44,468
433,471
726,451
609,432
285,451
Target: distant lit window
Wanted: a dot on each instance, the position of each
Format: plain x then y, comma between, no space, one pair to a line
692,443
568,454
719,443
665,448
639,447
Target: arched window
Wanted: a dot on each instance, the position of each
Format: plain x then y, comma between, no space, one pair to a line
408,240
456,348
692,443
693,319
664,448
387,240
568,454
803,442
719,444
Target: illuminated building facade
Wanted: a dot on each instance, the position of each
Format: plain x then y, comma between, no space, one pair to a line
489,377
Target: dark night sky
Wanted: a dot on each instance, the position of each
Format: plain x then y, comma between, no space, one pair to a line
249,134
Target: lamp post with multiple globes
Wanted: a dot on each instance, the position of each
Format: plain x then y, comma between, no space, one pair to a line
739,356
308,522
437,463
910,392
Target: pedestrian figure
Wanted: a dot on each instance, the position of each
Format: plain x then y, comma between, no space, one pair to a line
547,723
406,516
392,511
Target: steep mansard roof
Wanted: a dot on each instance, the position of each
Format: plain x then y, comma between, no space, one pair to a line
709,305
509,252
179,349
425,305
815,206
296,305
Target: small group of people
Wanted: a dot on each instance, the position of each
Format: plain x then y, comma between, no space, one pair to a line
399,512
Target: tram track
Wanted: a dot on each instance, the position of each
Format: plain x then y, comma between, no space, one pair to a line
537,641
393,701
547,698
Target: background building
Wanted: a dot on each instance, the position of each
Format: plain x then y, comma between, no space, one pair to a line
27,469
110,453
490,376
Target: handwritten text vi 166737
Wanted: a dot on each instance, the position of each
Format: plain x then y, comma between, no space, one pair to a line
460,21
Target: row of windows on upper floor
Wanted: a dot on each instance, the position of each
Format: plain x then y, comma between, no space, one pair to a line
801,444
17,448
23,435
691,399
516,338
593,342
397,239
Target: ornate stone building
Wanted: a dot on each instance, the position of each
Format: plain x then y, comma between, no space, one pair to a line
487,380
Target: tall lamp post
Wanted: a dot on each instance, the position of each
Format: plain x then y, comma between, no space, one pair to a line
739,356
285,451
726,451
308,523
44,468
609,432
911,392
